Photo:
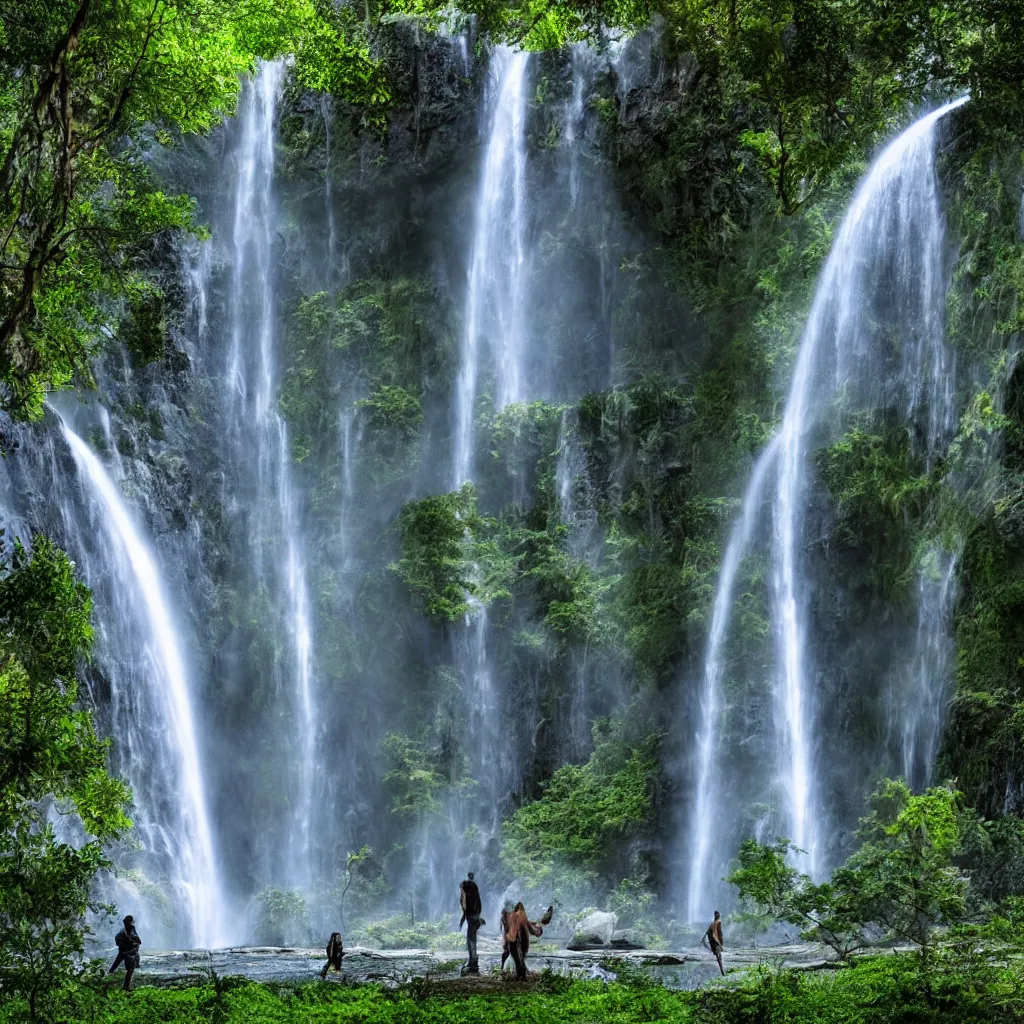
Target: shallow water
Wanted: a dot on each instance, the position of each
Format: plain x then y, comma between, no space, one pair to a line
678,969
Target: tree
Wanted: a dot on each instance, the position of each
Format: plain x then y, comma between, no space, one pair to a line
899,884
903,877
87,87
352,862
52,767
774,888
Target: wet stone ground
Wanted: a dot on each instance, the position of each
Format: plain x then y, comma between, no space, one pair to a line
680,969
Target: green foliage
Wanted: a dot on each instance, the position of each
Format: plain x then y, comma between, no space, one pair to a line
334,54
49,755
957,986
903,874
395,415
402,932
85,85
387,340
435,562
882,496
900,882
414,778
585,809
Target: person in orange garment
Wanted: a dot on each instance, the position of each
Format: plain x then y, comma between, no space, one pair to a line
714,937
516,930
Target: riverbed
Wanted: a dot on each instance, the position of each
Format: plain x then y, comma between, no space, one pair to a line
678,969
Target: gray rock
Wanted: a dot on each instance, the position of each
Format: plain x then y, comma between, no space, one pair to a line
594,930
628,938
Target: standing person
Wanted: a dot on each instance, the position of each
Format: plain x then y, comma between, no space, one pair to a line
714,937
128,942
335,951
516,931
469,900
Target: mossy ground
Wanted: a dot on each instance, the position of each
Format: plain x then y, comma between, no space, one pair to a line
954,985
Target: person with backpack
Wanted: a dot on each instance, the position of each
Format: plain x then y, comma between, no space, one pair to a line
128,942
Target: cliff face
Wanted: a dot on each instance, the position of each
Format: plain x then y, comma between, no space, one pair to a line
506,676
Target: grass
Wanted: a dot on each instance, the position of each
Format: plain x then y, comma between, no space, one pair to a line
960,986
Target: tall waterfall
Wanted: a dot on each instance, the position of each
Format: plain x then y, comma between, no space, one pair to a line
497,266
153,715
883,280
257,434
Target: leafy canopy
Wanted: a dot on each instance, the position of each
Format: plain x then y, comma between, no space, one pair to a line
86,86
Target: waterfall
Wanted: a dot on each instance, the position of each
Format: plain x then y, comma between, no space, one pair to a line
327,111
916,714
168,739
257,434
351,434
497,265
574,117
883,277
709,736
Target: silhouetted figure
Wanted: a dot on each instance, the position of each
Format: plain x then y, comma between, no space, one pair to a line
469,901
128,942
335,951
714,937
516,929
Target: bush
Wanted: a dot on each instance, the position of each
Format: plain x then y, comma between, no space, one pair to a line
899,884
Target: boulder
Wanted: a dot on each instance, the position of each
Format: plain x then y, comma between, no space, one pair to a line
628,938
596,929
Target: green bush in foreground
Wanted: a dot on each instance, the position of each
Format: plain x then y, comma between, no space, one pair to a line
956,984
898,885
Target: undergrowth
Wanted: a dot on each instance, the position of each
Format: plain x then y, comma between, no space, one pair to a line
959,984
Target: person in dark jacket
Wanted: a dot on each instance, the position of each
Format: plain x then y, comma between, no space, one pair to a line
335,951
128,942
472,907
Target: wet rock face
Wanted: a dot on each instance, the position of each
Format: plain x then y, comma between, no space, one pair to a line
433,114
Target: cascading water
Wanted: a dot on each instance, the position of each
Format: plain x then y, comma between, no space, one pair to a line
917,711
493,343
152,712
497,264
574,117
576,501
709,737
256,430
884,274
351,433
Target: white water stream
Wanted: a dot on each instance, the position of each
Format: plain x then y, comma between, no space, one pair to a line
258,433
494,313
168,691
